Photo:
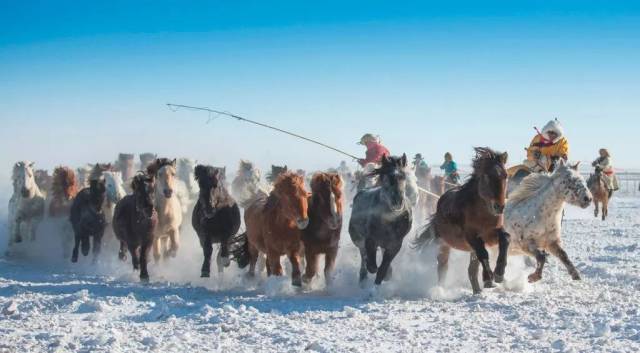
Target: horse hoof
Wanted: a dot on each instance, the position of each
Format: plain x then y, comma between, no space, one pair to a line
576,276
225,261
144,279
534,277
204,274
372,268
489,284
499,278
296,282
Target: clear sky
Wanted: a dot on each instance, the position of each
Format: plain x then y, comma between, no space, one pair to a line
81,81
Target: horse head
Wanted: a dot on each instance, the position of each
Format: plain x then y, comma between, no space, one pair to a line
572,185
289,190
97,191
207,178
113,183
164,170
490,172
276,171
393,179
326,189
23,178
144,186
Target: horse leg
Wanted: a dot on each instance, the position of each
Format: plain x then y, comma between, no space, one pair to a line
371,248
605,209
363,262
478,246
122,253
443,262
503,246
385,265
85,244
223,254
207,249
558,252
595,211
274,267
296,279
74,254
329,265
474,266
253,259
144,254
311,265
135,256
174,237
541,258
97,246
157,253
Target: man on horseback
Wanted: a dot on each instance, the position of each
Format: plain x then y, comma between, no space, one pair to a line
548,146
603,163
375,150
450,169
421,169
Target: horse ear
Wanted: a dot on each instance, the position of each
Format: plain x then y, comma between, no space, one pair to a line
575,166
403,160
504,157
174,162
32,164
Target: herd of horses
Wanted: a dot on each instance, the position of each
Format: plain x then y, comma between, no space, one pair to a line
302,217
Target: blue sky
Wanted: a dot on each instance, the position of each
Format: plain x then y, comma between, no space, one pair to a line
82,81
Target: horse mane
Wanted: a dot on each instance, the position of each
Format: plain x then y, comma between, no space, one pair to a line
156,165
321,178
529,186
64,182
485,156
139,178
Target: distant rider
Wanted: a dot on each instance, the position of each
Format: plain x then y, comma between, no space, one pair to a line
450,169
375,150
604,163
421,169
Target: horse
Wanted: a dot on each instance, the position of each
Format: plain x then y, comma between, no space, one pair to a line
322,235
43,180
63,190
168,206
82,175
533,214
469,217
365,178
115,192
185,170
276,171
87,217
125,165
381,218
246,184
134,222
274,226
600,191
437,188
27,204
215,218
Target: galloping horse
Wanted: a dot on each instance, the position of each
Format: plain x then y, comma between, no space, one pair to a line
134,223
168,207
469,217
185,170
322,235
274,227
276,171
246,185
533,214
115,192
600,191
82,175
215,218
381,217
87,216
63,190
26,206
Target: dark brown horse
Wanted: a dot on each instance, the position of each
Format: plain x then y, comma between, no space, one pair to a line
274,227
469,217
88,219
215,218
134,223
322,235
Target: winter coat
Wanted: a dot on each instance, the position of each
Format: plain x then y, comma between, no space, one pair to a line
375,152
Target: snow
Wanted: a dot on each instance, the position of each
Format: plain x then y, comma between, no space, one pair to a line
50,305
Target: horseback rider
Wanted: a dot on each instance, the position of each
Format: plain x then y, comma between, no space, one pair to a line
421,169
603,163
375,150
450,169
547,146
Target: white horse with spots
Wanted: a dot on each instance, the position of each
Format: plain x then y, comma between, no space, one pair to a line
168,206
26,206
533,215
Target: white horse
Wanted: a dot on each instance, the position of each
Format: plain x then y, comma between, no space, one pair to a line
246,185
26,206
533,215
114,192
169,208
186,174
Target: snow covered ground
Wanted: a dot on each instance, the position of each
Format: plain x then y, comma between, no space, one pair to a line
48,304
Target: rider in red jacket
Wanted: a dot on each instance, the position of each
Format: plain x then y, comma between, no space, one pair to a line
375,150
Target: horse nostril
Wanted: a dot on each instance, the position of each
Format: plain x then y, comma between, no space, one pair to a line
587,199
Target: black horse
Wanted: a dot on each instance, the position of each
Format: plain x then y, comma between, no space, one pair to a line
215,218
134,222
381,218
87,218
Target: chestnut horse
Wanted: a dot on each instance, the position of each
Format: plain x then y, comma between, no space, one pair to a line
64,188
469,217
322,235
134,223
215,218
600,191
274,226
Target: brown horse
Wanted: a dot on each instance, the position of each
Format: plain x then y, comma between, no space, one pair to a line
600,191
274,226
469,217
322,235
64,188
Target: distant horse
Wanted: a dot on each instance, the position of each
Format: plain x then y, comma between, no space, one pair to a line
437,187
168,206
82,175
274,225
598,187
469,217
115,192
533,214
63,190
215,218
276,171
43,180
322,235
88,219
134,223
26,206
185,170
381,218
147,159
246,185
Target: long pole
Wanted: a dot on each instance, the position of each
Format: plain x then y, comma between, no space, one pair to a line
239,118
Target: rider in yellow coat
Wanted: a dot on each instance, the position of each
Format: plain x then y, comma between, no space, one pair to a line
547,145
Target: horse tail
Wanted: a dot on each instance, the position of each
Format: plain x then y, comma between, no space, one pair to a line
239,248
425,237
